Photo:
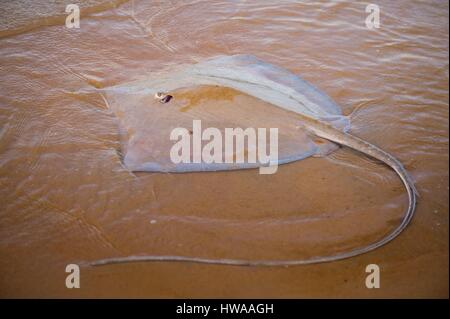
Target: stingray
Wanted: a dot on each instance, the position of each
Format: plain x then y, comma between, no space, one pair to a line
310,124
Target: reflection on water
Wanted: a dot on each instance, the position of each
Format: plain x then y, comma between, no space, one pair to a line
67,198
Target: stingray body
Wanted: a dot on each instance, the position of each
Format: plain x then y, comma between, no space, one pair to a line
147,125
310,124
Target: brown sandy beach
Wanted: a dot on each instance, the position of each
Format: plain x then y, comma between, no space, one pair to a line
67,198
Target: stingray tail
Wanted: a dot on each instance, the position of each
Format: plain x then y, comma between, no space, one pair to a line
379,154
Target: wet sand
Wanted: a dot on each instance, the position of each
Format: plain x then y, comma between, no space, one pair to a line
67,198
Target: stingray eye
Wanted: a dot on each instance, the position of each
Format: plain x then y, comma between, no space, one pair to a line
166,99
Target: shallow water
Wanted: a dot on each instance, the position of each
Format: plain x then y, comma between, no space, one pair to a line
66,197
